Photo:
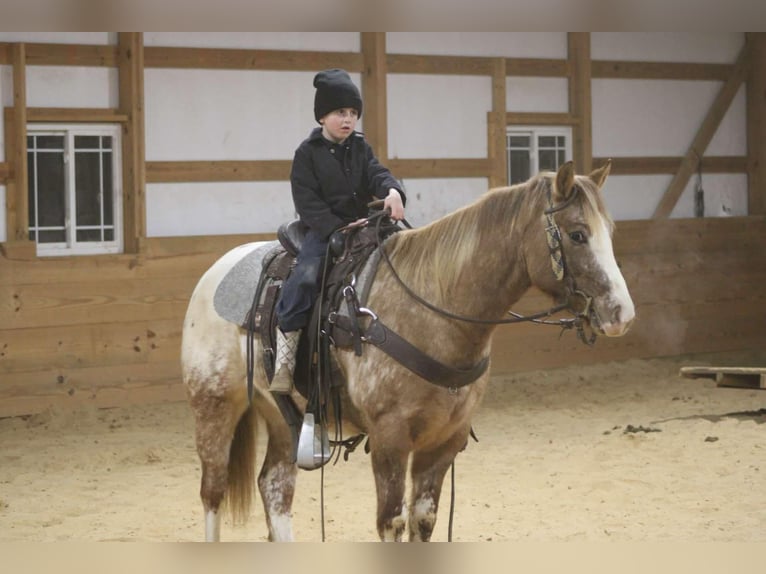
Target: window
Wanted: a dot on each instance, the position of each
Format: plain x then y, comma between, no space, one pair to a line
531,150
75,188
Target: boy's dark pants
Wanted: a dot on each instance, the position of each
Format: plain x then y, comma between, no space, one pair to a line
301,288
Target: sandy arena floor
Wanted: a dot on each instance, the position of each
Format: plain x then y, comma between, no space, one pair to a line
556,461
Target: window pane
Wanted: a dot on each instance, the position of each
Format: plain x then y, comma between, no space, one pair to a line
560,141
547,160
49,142
88,235
108,191
547,141
519,141
87,177
108,234
86,142
50,189
561,158
106,142
519,166
51,236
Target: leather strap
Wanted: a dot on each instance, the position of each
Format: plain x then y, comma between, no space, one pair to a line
418,362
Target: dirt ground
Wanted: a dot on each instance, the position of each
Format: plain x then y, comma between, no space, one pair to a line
624,451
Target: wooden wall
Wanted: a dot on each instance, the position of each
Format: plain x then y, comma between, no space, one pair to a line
67,339
106,330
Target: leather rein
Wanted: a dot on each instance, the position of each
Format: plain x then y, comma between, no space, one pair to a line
558,265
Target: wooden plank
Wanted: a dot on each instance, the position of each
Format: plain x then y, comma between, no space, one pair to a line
496,127
469,167
225,170
239,59
538,67
5,172
744,377
131,91
580,99
705,133
756,124
443,65
633,70
669,165
540,119
374,91
18,207
74,115
39,54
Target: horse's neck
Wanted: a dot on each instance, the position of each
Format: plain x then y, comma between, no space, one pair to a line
472,268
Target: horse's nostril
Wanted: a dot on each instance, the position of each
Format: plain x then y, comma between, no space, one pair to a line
616,314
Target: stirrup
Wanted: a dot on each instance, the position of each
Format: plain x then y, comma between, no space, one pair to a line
313,444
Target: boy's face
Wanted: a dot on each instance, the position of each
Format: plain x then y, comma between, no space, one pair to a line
338,124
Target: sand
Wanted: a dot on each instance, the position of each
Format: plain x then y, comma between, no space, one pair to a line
624,451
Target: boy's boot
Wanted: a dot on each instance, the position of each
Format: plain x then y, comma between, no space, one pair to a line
284,365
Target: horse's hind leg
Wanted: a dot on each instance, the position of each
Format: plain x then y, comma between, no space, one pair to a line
216,420
427,471
276,481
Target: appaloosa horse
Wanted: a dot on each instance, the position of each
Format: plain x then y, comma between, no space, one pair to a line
475,262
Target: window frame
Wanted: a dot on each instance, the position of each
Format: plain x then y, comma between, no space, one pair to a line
535,132
71,246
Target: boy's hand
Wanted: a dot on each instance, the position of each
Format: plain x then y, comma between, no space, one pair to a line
394,204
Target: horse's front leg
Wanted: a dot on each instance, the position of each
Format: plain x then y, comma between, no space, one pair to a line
389,466
428,470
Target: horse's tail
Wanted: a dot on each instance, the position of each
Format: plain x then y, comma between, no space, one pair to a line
241,484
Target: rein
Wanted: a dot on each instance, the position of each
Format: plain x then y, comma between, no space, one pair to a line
558,265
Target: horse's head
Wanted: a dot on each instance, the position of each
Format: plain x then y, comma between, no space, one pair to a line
571,257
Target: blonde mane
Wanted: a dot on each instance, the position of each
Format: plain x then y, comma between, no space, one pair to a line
433,257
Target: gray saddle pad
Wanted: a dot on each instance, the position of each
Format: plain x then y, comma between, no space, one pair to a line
234,295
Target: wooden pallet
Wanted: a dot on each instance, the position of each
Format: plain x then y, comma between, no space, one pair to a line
743,377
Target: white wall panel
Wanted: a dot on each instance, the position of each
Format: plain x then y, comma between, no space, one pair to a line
648,117
72,87
503,44
227,114
528,94
438,116
637,196
430,199
320,41
221,208
731,136
704,47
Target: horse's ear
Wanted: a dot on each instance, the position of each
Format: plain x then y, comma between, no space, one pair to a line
565,181
598,176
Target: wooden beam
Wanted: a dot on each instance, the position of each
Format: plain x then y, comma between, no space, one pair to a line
237,59
446,65
76,115
196,171
540,119
374,92
62,54
427,168
131,86
627,70
539,67
19,209
669,164
580,99
756,124
496,127
5,172
704,135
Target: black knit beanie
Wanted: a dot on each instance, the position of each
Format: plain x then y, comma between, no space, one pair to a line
335,90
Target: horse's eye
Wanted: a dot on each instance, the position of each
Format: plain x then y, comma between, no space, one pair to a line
578,237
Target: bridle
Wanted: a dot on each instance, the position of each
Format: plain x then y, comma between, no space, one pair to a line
558,266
